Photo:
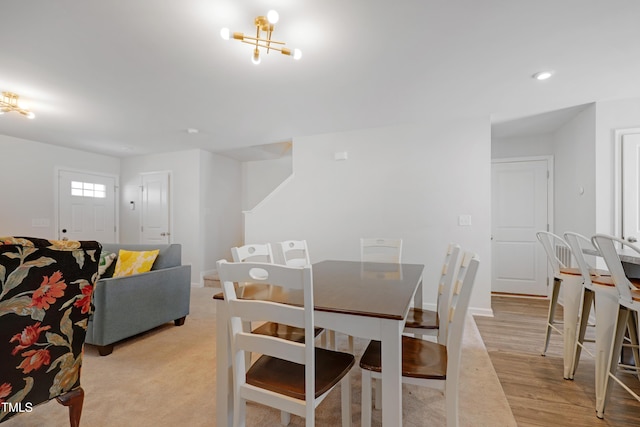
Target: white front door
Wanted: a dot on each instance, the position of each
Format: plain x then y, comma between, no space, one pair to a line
86,206
631,187
155,221
519,210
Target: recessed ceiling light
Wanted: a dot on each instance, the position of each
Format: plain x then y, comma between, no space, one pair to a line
192,131
543,75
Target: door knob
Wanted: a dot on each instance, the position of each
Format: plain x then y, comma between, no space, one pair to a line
632,239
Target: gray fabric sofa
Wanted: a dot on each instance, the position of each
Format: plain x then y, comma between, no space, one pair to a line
126,306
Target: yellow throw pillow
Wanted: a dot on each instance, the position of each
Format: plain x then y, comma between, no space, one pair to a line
134,262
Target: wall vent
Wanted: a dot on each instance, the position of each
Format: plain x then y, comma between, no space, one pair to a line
564,255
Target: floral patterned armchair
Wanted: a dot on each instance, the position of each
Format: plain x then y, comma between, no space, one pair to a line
45,302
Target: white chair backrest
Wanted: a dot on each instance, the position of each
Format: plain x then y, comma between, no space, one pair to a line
607,246
552,243
458,311
253,253
293,253
445,287
240,310
381,250
577,243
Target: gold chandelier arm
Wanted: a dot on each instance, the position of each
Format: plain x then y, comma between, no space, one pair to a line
279,49
260,40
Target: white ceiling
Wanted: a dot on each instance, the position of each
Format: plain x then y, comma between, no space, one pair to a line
130,77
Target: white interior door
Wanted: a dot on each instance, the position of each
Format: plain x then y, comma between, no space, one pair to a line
631,187
155,222
86,207
519,210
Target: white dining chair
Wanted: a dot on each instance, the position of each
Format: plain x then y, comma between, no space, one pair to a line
571,281
627,303
381,250
378,250
421,321
291,376
595,281
252,252
293,253
426,363
262,252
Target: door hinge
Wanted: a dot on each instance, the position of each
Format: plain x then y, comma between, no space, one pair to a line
548,174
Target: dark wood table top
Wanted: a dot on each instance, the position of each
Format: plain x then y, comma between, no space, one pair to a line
351,287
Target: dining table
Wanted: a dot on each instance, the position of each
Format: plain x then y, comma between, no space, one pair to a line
361,299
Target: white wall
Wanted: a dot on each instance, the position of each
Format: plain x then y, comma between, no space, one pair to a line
29,184
524,146
205,204
222,220
575,160
610,116
406,181
261,177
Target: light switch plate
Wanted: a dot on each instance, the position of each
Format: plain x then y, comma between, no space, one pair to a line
464,220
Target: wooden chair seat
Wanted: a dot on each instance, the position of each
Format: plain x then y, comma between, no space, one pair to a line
602,280
422,319
420,358
283,331
284,377
574,271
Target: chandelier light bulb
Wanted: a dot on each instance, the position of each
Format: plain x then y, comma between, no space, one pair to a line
273,16
30,115
256,57
543,75
225,33
297,54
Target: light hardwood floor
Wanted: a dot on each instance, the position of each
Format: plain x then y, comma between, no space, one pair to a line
533,384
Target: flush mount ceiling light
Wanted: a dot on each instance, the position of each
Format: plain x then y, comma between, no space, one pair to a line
543,75
264,24
9,102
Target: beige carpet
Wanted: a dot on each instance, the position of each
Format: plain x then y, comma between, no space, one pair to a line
167,377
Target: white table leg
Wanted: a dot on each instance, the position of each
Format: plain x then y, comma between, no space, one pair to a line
391,331
224,386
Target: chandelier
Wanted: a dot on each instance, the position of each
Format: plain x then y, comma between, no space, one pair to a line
262,40
9,102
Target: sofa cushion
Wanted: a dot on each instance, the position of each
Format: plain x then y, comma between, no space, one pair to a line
106,259
134,262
